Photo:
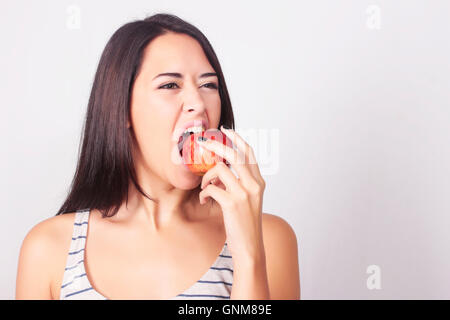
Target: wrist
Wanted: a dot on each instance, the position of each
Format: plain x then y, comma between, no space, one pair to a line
250,279
250,261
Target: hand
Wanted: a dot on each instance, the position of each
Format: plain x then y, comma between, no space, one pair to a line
240,198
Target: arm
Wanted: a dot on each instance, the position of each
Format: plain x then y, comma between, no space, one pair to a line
33,274
250,279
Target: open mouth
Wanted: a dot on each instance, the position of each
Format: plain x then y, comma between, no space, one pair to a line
183,138
181,141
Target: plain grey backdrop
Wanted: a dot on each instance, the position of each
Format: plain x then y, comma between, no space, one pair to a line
359,92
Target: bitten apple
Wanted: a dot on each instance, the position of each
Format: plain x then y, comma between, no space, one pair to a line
198,159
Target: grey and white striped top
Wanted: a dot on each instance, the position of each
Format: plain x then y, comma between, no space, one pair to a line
216,283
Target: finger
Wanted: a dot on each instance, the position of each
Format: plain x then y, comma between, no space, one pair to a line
223,150
241,144
246,149
220,195
222,172
231,156
217,182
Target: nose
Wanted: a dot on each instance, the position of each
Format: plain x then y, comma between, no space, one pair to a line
192,100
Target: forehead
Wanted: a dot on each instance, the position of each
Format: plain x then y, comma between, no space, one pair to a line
174,53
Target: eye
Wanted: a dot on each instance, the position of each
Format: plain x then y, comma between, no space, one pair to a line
168,84
212,85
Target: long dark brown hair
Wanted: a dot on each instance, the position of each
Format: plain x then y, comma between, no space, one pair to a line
105,165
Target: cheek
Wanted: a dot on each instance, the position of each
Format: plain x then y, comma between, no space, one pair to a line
214,109
153,134
150,115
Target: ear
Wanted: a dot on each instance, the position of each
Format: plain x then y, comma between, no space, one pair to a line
128,124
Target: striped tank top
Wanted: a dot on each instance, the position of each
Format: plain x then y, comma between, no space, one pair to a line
215,284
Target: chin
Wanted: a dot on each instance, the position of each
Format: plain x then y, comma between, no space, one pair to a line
184,183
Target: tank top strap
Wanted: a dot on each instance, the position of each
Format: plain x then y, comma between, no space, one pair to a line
80,228
75,257
78,242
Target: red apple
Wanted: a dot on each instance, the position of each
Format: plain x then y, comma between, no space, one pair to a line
198,159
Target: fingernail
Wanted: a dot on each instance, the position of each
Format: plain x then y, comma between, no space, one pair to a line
202,139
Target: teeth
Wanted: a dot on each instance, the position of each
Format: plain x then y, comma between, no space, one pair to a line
196,129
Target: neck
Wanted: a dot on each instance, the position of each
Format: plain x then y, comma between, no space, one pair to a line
170,206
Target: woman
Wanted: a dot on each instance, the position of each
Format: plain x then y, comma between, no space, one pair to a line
155,230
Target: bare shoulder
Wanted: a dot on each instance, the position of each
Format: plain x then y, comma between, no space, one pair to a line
278,234
41,256
281,249
276,226
46,233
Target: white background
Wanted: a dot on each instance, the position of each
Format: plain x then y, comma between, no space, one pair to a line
363,115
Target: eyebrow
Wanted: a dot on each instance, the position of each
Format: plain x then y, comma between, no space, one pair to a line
179,75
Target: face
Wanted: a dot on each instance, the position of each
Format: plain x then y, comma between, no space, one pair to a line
162,105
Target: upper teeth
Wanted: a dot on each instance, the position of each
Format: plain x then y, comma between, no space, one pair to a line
195,129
